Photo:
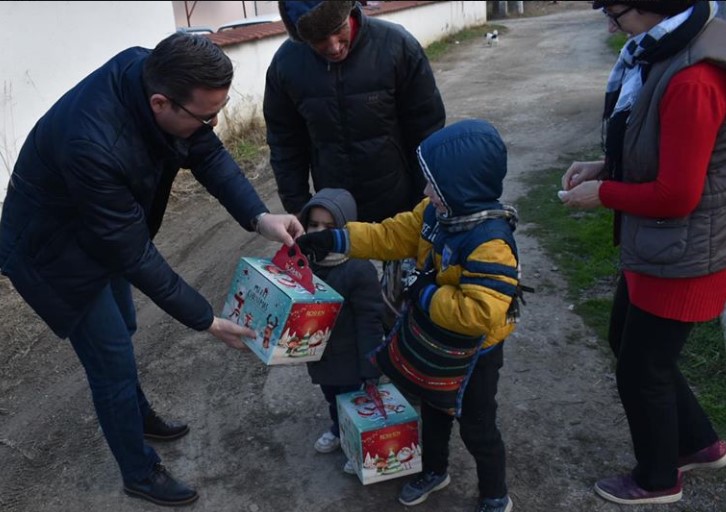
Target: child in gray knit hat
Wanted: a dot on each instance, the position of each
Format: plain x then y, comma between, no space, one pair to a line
359,328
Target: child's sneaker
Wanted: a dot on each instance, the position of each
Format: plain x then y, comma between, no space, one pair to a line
418,489
711,457
495,505
349,467
624,490
327,443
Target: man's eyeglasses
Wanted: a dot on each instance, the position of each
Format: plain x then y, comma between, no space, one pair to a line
616,16
206,121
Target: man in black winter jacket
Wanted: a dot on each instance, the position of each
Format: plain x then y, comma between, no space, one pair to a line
85,199
348,99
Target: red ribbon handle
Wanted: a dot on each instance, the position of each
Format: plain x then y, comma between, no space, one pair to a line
295,265
372,392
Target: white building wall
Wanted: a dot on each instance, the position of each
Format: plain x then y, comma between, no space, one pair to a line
250,61
432,22
49,46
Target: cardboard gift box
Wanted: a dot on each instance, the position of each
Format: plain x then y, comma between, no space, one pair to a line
291,310
383,444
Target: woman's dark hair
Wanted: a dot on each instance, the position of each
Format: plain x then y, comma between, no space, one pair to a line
182,63
665,7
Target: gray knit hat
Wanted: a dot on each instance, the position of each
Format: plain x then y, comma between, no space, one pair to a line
338,201
315,20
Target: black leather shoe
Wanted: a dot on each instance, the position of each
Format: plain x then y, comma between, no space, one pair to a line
159,429
161,488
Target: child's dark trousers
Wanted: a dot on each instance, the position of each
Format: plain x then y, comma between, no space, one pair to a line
477,426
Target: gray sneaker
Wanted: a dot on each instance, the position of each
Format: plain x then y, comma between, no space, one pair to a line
417,490
495,505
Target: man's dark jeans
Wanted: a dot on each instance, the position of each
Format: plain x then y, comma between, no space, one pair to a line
102,341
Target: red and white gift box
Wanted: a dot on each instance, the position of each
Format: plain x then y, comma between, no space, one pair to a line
381,439
291,310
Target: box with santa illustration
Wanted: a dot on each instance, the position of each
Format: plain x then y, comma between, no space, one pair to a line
291,310
381,439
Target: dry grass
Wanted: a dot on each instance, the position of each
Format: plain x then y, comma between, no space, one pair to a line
185,186
245,138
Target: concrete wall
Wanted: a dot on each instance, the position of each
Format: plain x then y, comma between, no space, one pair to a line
50,46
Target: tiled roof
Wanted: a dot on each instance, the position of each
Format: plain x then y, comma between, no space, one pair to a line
243,34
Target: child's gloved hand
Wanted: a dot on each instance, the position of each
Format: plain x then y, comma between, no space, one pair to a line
317,245
420,287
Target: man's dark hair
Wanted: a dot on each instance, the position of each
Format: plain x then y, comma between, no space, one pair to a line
182,63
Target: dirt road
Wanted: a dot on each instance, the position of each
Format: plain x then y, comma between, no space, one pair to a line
253,428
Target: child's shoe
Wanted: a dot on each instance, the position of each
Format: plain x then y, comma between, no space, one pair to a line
327,443
495,505
349,467
417,490
711,457
624,490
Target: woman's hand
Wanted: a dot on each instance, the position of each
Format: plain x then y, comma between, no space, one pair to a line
585,195
580,172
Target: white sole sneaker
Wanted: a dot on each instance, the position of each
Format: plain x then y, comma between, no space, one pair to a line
714,464
327,444
656,500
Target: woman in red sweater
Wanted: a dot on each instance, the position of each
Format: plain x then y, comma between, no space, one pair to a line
664,175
